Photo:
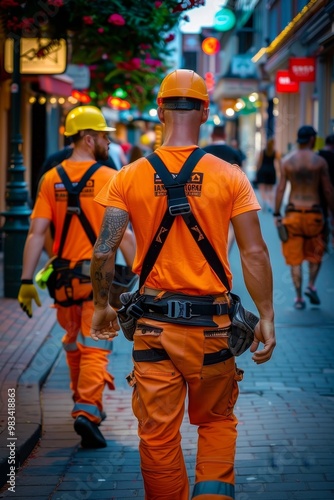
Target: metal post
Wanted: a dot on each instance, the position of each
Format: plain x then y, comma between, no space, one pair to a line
17,211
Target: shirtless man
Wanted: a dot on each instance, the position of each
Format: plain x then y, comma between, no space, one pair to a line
304,220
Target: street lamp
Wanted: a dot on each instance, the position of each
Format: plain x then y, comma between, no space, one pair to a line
17,212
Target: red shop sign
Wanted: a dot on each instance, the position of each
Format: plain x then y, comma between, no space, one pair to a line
302,69
284,82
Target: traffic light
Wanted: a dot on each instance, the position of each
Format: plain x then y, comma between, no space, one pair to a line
210,81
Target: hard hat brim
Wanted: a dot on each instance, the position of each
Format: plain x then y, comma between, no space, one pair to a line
104,129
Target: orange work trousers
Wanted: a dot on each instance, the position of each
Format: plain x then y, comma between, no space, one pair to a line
87,360
159,403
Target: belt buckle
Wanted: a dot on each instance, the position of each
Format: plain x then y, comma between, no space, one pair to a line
179,309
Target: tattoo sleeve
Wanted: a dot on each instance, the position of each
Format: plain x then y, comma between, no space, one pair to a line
102,271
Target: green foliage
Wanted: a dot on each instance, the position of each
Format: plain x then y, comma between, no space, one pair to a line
125,42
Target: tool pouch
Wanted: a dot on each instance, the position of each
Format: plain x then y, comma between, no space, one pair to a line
243,323
129,313
124,280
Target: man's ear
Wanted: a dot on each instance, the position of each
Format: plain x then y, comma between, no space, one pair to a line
205,115
161,115
89,140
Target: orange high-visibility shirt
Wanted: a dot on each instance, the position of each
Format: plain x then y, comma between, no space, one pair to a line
217,192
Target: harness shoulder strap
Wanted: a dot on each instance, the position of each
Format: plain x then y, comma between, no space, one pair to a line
183,176
168,218
73,204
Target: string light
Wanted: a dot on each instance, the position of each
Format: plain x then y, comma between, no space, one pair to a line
230,112
32,100
61,100
53,100
72,99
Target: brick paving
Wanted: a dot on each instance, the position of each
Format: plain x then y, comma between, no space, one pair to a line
285,447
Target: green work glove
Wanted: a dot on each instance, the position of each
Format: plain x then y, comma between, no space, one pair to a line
27,293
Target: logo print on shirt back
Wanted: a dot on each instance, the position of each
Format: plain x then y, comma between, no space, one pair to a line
192,188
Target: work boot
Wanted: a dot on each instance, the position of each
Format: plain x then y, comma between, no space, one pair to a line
91,436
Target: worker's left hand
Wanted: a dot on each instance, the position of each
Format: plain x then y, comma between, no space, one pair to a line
104,324
27,293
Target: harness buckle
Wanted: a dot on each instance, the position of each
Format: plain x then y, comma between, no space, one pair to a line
74,210
179,309
135,311
179,209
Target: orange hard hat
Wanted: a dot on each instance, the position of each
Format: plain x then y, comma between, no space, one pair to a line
183,83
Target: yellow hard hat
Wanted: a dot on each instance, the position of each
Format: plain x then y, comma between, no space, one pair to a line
85,118
183,83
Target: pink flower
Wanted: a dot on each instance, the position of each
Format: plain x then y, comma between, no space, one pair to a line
157,4
152,62
116,19
100,30
5,4
144,46
170,38
133,64
88,20
56,3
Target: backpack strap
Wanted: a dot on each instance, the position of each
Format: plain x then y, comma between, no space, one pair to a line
179,205
73,204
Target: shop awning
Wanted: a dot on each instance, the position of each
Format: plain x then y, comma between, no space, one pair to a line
61,85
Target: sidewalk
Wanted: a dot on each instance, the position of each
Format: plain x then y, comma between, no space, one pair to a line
21,339
285,447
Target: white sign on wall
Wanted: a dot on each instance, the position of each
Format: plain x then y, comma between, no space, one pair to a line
38,56
80,75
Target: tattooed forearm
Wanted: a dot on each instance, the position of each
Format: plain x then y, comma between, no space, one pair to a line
112,230
103,261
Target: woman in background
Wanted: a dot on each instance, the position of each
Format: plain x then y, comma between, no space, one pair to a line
267,167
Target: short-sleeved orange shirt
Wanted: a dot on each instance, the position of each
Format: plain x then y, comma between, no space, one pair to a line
217,192
51,203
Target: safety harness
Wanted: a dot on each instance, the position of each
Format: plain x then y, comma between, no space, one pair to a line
73,204
178,309
64,275
124,277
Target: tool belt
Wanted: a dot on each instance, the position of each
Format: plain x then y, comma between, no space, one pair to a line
183,309
63,275
191,311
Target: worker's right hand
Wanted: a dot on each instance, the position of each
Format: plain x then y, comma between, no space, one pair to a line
27,293
104,325
265,334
